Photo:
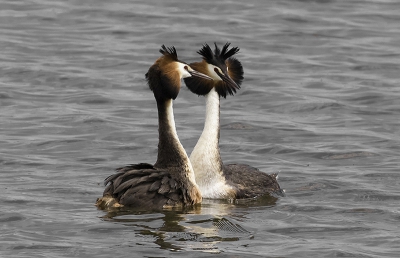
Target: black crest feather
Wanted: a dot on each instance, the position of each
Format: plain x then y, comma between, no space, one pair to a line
169,51
225,53
223,59
207,54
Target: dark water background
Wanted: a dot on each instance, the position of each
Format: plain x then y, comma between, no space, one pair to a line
320,103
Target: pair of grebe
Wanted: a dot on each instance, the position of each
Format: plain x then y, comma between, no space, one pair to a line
176,180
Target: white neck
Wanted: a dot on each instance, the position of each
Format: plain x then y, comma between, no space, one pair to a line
205,157
169,111
170,149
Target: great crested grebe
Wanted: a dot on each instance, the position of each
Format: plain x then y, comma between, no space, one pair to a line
216,180
170,181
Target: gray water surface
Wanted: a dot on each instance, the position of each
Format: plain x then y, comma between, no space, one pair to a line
320,104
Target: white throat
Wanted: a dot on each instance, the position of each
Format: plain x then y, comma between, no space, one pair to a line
171,123
171,118
205,157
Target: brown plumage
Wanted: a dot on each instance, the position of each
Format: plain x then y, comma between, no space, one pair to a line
170,181
143,185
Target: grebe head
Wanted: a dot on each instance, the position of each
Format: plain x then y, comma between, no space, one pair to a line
226,71
164,76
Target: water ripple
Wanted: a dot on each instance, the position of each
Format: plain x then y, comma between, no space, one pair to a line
319,104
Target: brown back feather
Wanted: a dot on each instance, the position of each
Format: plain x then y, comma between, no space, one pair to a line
150,187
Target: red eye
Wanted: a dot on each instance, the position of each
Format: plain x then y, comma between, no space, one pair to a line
218,71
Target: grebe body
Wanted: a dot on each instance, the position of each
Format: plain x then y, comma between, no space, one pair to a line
216,180
170,181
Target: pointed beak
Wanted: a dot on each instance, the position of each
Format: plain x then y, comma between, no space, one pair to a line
227,79
198,74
